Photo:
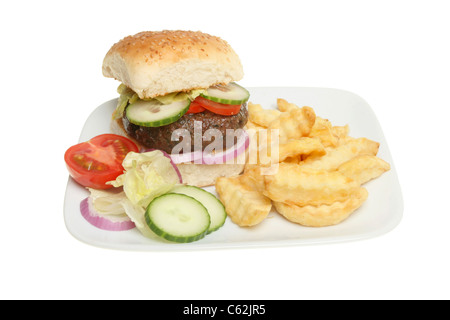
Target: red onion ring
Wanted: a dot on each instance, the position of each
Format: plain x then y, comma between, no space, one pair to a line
93,217
218,158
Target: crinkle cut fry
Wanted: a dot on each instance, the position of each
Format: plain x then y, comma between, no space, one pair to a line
293,184
244,205
322,215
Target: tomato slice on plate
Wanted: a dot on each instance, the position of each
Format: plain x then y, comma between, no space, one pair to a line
216,107
99,160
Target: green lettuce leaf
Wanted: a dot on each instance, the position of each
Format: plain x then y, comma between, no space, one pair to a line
108,202
147,175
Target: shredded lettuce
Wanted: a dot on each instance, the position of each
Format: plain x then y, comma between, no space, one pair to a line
108,202
147,175
136,214
177,96
113,203
126,96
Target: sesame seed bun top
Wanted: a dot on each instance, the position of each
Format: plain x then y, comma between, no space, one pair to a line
155,63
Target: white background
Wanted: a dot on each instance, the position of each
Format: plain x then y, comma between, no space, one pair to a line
394,54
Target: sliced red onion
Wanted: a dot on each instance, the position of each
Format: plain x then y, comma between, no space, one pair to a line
217,158
93,217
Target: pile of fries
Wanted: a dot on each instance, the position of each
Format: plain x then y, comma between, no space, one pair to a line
316,177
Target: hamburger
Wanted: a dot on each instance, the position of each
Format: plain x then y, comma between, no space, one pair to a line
176,88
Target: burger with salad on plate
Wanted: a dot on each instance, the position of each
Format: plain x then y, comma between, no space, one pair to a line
178,94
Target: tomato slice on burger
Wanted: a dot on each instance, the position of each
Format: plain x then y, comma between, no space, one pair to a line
216,107
195,108
99,160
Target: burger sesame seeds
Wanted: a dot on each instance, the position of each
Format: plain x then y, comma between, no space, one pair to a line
151,46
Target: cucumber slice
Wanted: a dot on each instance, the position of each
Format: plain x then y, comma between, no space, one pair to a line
231,93
152,113
177,218
215,208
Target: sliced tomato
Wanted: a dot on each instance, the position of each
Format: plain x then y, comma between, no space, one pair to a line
99,160
195,108
216,107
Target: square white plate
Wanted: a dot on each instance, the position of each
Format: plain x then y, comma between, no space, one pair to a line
381,212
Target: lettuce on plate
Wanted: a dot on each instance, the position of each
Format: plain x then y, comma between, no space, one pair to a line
108,202
147,175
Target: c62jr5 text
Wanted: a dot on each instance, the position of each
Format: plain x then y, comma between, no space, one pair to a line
246,309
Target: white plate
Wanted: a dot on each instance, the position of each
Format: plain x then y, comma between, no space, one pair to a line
378,215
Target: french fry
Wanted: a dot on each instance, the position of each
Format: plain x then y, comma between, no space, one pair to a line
254,178
323,130
295,148
364,168
285,106
341,132
260,116
293,184
294,124
244,205
322,215
253,126
343,153
300,147
293,160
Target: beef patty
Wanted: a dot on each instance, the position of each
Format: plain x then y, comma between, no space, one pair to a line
161,137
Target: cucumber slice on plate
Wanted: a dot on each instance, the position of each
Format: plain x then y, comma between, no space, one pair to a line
215,208
177,217
231,93
152,113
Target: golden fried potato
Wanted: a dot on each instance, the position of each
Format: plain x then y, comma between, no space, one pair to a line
294,124
253,177
323,130
295,148
253,126
294,184
260,116
263,148
322,215
343,153
293,160
364,168
308,169
301,147
285,106
243,203
341,131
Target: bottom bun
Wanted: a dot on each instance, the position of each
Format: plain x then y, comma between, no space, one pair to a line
204,175
199,175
